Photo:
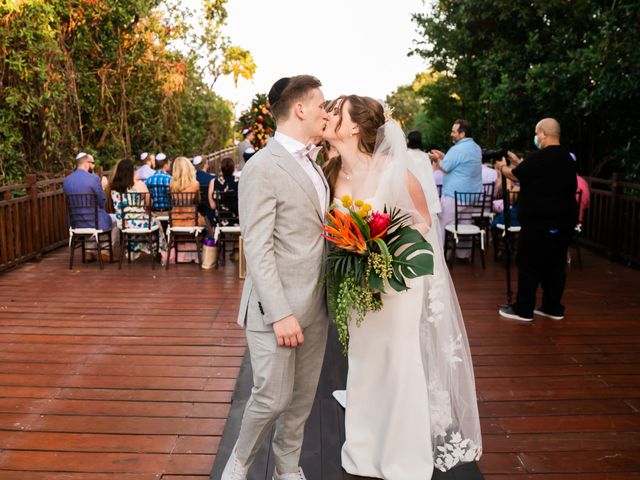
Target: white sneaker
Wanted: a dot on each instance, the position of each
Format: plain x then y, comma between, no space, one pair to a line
299,475
234,470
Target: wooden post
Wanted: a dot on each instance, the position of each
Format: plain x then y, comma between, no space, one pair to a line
612,224
34,244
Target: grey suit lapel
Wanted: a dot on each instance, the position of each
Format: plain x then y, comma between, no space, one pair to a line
289,164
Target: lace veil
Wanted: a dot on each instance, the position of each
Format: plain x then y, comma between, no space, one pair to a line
455,424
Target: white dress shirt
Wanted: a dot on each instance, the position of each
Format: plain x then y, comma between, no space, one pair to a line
292,146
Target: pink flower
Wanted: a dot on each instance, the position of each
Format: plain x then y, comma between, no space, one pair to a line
378,224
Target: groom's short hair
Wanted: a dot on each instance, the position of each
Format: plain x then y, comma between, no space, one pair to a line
286,91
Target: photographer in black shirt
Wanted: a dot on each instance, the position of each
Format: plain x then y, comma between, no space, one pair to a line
547,211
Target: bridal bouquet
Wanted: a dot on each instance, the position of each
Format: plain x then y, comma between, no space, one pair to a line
371,250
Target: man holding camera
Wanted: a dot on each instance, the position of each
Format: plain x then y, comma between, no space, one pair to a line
462,168
547,211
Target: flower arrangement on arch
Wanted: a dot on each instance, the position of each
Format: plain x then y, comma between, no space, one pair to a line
371,251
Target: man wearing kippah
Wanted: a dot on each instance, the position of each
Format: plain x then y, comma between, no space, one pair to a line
158,183
206,181
282,199
248,136
83,181
149,163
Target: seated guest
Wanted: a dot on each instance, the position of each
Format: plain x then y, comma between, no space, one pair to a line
226,190
124,182
82,180
490,176
184,181
148,164
159,179
206,181
248,153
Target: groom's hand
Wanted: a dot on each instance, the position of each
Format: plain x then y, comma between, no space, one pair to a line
288,332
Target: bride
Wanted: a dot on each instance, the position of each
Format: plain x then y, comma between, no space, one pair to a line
410,387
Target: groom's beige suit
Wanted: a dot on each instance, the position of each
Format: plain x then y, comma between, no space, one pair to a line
281,221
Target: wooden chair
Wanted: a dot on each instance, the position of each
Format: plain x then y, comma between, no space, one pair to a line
484,220
467,204
160,202
183,226
227,220
82,210
138,226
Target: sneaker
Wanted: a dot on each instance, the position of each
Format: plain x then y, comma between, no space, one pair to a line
542,313
509,312
234,470
299,475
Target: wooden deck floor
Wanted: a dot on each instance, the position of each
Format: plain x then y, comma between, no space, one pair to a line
129,375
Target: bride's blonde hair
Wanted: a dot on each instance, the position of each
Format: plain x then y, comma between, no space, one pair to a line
368,114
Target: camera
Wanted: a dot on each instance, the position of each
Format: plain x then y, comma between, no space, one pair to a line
491,155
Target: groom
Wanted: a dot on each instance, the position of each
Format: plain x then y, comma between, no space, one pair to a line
282,198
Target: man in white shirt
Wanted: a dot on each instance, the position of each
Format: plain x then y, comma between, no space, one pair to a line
282,199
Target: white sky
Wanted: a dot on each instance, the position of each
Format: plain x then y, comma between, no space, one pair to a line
352,46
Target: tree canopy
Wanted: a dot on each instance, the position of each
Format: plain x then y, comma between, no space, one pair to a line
106,77
512,63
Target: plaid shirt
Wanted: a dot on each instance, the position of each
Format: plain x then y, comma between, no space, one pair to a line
160,178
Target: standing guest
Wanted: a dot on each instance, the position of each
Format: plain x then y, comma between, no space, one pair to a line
248,135
462,168
420,166
206,181
82,180
148,164
547,213
161,178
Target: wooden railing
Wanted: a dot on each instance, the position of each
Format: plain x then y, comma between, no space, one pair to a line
33,216
32,220
612,224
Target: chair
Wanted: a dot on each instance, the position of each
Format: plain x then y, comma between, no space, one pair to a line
82,211
498,233
467,203
484,220
160,202
577,231
183,225
137,225
227,220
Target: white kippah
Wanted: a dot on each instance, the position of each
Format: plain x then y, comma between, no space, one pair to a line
245,131
161,156
80,155
197,160
143,156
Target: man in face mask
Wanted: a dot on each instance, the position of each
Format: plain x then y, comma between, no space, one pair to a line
547,211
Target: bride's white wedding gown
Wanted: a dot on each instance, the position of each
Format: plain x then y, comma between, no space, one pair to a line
387,408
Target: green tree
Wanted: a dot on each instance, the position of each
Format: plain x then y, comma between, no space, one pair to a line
514,63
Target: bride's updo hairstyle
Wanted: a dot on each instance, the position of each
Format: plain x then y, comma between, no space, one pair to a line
368,114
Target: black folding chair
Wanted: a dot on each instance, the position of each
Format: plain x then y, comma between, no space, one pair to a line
467,204
183,226
227,220
137,225
84,230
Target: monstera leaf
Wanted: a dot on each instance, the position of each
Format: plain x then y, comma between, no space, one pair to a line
412,256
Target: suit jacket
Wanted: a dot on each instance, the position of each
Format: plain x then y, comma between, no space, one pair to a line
81,181
281,222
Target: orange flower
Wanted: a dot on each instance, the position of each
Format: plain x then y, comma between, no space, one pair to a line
344,232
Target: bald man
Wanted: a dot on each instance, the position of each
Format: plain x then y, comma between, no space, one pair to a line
547,211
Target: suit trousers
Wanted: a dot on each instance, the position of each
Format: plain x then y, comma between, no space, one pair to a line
541,260
285,381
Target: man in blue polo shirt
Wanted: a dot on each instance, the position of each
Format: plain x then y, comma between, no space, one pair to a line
462,168
158,183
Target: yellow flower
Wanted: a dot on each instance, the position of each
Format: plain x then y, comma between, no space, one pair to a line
366,207
346,201
361,213
359,203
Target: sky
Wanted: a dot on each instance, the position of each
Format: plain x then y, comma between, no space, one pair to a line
352,46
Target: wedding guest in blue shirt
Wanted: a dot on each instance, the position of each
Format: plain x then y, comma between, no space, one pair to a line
462,168
158,183
206,181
